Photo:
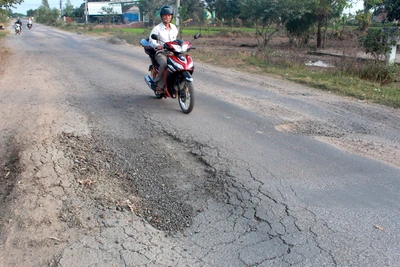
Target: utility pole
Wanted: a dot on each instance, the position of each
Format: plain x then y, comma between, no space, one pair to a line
60,8
86,12
178,3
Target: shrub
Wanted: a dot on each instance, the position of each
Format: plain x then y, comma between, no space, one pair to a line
380,73
377,72
377,41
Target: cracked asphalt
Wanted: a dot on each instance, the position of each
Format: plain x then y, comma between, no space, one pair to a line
97,172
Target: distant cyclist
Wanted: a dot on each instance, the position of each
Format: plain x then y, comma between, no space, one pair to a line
29,23
19,23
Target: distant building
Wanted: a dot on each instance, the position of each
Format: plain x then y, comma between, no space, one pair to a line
381,17
130,13
123,11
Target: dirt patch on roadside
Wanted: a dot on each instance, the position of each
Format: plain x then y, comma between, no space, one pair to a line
5,54
335,49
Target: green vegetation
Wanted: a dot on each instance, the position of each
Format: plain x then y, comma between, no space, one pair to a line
4,4
366,81
3,22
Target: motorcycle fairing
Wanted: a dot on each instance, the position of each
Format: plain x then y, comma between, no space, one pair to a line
177,46
180,62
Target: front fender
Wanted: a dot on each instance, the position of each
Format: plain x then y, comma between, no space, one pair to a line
187,76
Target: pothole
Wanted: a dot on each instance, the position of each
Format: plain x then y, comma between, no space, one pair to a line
311,128
158,179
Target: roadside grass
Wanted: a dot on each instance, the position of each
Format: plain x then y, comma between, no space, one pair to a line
334,81
3,33
350,86
337,81
340,80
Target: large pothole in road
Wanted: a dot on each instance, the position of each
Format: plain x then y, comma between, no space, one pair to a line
158,179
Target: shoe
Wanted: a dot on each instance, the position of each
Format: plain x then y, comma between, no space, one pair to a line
156,89
153,86
159,90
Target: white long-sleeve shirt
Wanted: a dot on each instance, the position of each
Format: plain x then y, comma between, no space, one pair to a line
164,35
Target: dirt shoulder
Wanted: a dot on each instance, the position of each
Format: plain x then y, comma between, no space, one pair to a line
31,189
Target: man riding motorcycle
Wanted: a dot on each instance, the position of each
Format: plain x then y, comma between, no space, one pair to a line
166,31
19,22
29,23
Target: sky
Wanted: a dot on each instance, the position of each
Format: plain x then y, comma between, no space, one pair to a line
357,5
34,4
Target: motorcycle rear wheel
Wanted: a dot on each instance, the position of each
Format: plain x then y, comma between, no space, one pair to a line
186,97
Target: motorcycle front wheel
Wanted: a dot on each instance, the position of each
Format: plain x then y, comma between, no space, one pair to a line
186,96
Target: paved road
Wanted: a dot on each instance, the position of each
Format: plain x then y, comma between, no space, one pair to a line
254,163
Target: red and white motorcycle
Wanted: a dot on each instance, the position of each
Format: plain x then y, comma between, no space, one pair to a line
178,81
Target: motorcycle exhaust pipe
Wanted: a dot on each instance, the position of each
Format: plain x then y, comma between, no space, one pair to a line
148,81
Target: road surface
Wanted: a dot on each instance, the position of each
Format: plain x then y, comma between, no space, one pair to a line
97,172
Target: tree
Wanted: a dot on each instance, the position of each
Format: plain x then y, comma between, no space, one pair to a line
227,10
299,29
151,8
269,16
190,9
324,11
68,9
78,12
47,15
364,17
391,7
4,4
369,4
45,4
372,43
192,6
108,12
265,15
31,13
